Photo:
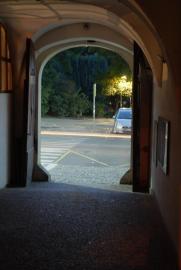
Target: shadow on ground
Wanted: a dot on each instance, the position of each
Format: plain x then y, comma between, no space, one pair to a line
58,226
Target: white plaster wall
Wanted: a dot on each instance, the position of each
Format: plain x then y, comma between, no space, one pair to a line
5,135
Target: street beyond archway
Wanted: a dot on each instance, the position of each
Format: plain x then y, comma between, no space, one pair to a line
85,152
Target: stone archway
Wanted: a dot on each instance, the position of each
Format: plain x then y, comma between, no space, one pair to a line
69,35
117,18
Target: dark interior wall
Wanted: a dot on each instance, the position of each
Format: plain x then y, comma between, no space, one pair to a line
167,188
166,19
165,16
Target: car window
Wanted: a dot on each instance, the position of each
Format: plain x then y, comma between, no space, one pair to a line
124,114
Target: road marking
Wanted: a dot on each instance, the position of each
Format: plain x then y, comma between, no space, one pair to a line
53,149
51,166
47,159
53,152
63,156
45,154
92,159
125,165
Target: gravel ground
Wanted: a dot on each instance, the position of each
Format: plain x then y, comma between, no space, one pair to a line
99,177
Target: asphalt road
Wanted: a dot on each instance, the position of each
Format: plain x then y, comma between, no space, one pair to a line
84,151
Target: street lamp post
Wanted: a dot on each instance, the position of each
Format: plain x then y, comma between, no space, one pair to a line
94,101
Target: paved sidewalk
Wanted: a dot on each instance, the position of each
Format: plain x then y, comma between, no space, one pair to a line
101,125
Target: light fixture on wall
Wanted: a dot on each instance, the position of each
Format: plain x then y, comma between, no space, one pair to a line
161,58
91,41
86,26
164,68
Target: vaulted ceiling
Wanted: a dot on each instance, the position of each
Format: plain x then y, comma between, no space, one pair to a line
42,12
34,18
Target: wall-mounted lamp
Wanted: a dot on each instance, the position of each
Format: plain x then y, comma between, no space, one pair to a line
161,58
86,26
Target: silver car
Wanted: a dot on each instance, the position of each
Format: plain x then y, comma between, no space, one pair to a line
123,121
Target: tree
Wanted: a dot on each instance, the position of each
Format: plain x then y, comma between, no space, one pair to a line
118,86
45,100
70,103
79,68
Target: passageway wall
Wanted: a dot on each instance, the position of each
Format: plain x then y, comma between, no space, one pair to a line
165,17
5,138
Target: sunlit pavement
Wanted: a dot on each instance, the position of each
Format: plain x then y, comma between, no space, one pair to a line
85,125
85,134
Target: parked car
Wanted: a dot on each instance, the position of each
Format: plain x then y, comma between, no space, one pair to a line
123,121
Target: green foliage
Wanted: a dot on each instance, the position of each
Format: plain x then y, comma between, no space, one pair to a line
79,68
45,100
117,85
100,110
70,103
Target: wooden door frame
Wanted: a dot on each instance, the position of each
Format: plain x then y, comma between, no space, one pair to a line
141,65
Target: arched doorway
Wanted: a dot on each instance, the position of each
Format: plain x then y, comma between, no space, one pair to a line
54,45
76,147
45,38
